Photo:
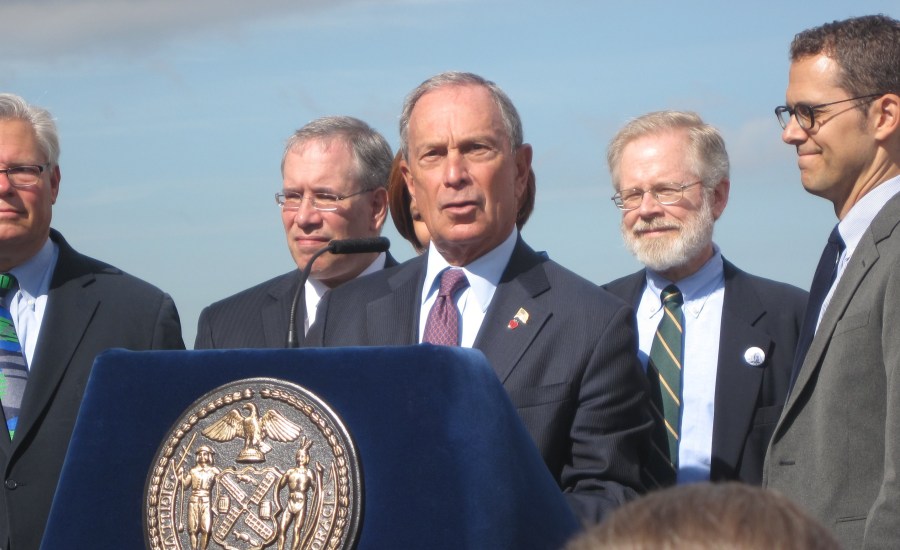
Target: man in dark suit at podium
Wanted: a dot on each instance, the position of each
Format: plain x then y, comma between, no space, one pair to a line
335,172
670,171
65,308
564,349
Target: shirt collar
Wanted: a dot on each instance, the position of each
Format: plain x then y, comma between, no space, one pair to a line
33,275
483,274
319,288
860,216
696,289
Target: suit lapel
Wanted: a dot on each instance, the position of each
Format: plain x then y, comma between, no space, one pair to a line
522,281
737,382
70,308
392,319
864,257
277,313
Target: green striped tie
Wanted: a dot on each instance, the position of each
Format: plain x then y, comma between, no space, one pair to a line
664,371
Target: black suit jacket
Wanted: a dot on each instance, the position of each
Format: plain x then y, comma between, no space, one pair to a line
91,306
571,371
755,312
258,317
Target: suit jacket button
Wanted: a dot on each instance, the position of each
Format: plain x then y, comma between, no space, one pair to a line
11,484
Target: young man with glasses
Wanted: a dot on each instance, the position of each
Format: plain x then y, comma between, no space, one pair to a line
335,174
836,448
735,333
58,311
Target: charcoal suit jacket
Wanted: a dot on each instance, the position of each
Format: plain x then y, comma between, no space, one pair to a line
91,306
571,371
258,317
756,312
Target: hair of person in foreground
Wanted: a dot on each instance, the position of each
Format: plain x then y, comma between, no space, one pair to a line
708,516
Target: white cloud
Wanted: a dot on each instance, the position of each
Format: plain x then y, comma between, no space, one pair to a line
51,29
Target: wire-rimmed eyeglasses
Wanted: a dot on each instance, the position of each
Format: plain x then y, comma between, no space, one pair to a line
806,114
23,177
323,202
664,193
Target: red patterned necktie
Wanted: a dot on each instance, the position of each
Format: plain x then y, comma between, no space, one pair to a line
442,326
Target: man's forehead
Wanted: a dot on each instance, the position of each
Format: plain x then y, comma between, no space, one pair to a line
460,107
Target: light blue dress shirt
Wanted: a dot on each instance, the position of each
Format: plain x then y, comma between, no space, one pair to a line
28,304
703,293
854,226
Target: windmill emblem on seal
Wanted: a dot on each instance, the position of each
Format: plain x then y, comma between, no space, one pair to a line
253,428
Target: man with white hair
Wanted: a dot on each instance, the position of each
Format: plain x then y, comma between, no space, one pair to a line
716,342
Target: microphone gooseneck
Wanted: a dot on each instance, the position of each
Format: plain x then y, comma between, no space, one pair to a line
337,246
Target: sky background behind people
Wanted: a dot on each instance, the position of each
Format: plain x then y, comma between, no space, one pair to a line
173,116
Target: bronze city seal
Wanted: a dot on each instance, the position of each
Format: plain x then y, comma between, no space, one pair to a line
257,463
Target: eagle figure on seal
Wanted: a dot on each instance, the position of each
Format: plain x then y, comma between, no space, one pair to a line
253,429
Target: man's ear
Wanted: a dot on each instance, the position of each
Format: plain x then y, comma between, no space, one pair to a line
379,208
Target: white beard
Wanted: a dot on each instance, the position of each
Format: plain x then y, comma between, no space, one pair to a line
661,254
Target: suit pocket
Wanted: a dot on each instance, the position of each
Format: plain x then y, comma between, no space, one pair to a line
852,322
532,397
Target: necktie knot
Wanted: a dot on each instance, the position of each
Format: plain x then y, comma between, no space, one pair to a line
671,296
442,325
7,281
452,280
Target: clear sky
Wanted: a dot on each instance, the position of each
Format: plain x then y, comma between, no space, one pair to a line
173,116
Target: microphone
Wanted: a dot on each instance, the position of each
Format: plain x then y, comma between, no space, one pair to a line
360,246
337,246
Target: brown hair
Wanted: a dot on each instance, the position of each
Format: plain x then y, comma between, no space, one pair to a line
708,516
867,50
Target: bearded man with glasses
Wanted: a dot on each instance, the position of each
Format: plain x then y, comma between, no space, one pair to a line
335,175
836,448
738,331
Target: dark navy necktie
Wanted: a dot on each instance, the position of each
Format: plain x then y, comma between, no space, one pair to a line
822,281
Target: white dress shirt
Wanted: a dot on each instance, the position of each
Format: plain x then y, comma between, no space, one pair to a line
703,293
483,275
315,289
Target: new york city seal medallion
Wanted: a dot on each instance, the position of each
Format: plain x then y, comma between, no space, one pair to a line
258,463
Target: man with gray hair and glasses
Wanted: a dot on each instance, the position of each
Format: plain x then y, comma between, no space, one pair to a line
836,448
58,310
563,348
716,343
335,174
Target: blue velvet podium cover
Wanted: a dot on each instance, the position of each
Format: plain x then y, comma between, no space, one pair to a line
446,462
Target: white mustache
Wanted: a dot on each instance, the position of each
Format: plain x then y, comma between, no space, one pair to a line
654,225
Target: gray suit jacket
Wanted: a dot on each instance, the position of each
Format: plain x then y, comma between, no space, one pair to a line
258,317
756,312
91,306
836,448
571,370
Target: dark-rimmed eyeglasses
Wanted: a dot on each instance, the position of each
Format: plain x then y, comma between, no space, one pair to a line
22,177
323,202
806,114
664,193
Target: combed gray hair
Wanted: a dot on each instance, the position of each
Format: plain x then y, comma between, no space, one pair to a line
508,113
709,159
13,107
371,153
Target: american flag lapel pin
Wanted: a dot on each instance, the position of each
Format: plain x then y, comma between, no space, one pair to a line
520,318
